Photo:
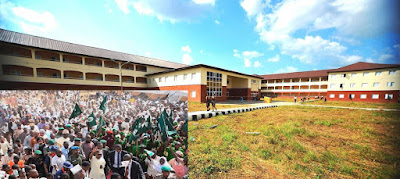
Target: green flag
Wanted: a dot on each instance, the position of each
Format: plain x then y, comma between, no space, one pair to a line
136,130
101,123
162,127
148,124
167,121
103,104
92,120
77,111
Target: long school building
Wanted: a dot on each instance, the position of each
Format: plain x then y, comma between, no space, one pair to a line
31,62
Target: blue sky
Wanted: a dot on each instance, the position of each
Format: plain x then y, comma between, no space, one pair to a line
250,36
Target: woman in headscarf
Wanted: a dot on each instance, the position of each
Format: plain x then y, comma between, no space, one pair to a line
155,163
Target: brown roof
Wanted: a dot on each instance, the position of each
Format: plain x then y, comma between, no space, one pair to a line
205,66
364,66
50,44
303,74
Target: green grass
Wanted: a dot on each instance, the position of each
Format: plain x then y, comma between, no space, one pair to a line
297,142
355,104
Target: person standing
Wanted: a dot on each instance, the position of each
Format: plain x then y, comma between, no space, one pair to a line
213,102
295,99
97,164
208,101
133,170
116,159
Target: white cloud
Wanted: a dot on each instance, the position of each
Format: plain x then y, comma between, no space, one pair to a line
30,21
173,10
212,2
276,58
217,22
187,59
247,56
186,49
251,54
123,5
385,57
283,24
247,62
252,7
148,54
287,69
353,59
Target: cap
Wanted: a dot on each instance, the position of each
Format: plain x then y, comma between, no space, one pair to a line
103,141
74,147
68,125
53,148
150,153
31,124
52,141
109,132
77,139
38,152
67,164
60,128
65,132
166,168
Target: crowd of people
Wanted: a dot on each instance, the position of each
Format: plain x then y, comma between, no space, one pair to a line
41,138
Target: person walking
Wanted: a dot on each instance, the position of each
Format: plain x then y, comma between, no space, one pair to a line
213,101
208,101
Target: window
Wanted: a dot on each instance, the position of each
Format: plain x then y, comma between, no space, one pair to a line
227,81
344,75
365,73
392,72
376,84
333,85
363,96
341,95
390,84
353,74
341,85
332,96
375,96
254,81
364,85
214,84
175,77
193,76
160,79
193,94
388,96
378,73
333,76
185,77
352,85
165,79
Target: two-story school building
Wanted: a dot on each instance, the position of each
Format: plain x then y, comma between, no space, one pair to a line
32,62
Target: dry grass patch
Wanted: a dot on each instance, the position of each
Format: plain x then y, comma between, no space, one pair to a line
297,141
355,104
197,106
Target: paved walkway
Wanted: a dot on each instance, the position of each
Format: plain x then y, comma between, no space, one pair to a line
197,115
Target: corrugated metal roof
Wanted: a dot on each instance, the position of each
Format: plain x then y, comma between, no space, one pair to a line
51,44
364,66
303,74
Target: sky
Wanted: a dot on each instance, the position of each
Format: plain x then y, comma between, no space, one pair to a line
249,36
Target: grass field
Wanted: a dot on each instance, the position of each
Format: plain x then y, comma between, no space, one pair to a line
355,104
197,106
297,142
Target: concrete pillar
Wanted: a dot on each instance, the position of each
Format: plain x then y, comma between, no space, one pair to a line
61,58
102,65
84,75
34,72
83,62
62,74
